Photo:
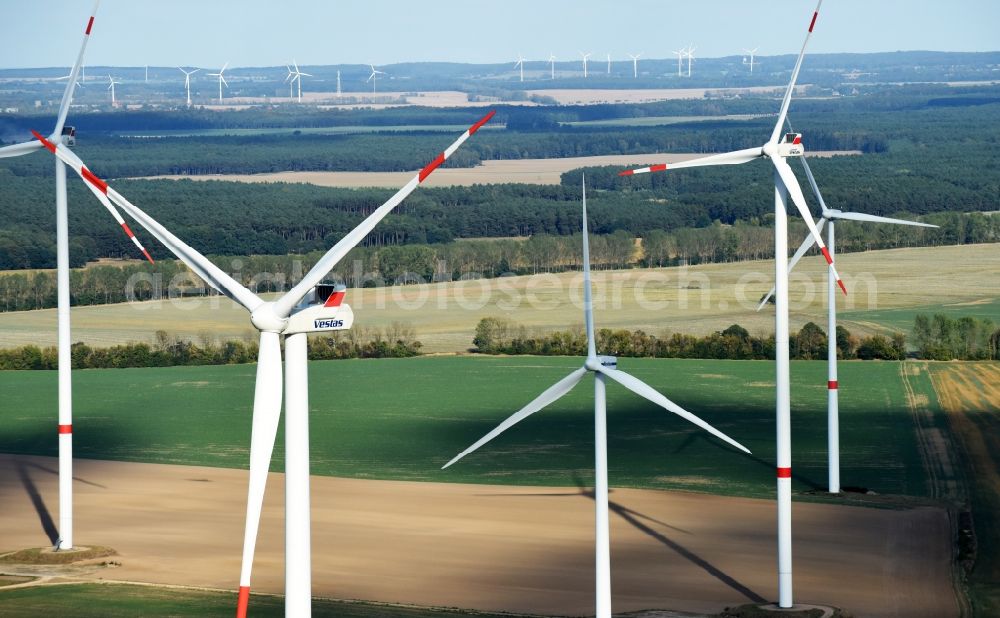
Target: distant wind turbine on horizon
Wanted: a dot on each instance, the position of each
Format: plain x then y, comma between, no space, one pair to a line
222,79
585,56
187,82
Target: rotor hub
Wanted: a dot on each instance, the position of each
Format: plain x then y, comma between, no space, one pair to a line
266,320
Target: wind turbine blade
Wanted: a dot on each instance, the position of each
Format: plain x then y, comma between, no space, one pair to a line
588,301
223,80
551,394
198,263
266,412
284,305
812,183
16,150
67,97
101,197
224,67
795,192
858,216
805,246
305,75
786,101
727,158
646,391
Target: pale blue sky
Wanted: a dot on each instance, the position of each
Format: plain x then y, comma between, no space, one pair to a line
207,33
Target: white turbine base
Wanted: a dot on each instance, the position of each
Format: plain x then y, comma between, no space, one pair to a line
782,393
602,540
65,376
65,540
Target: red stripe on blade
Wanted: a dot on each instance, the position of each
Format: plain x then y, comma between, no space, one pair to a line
433,165
335,299
48,145
65,428
659,167
242,601
843,288
626,173
784,473
148,257
826,254
832,385
479,124
90,24
128,230
94,180
812,24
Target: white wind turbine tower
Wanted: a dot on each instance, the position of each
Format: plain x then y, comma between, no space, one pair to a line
338,83
751,53
552,66
585,56
602,367
147,74
371,78
680,61
187,82
609,64
689,52
777,149
222,79
111,87
635,64
65,137
520,64
832,385
307,307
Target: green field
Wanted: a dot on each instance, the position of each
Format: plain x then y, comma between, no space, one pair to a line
404,418
128,601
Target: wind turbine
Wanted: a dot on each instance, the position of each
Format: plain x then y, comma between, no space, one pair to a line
602,367
111,87
585,56
372,78
750,52
65,137
520,64
609,64
296,76
832,386
635,64
187,82
307,307
78,82
338,83
222,79
785,185
690,56
552,66
147,74
680,60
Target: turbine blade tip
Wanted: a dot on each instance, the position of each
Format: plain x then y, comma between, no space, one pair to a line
842,286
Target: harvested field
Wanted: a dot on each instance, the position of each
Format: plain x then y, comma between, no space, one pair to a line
499,547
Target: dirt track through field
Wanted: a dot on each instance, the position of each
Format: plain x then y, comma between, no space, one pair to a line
523,549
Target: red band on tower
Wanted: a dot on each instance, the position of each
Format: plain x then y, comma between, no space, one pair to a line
813,22
784,473
242,601
94,180
90,24
433,165
832,385
65,428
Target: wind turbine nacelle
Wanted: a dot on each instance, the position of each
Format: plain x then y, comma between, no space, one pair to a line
68,136
791,145
322,310
608,361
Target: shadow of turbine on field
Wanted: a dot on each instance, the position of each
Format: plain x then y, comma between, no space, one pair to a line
633,518
56,473
48,525
769,465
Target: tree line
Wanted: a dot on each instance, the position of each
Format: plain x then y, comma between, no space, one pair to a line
940,337
395,341
503,336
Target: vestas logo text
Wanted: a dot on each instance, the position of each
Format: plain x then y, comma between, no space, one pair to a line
327,323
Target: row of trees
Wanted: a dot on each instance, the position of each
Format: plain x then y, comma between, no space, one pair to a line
940,337
502,336
396,341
